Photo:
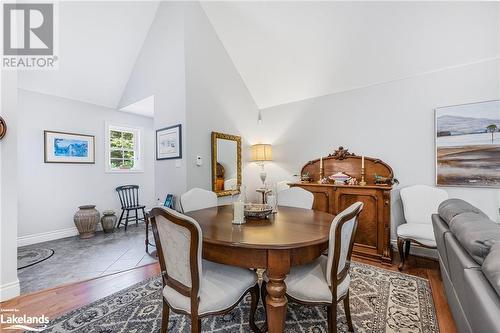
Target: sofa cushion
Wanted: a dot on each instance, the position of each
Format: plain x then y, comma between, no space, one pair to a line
450,208
491,267
476,234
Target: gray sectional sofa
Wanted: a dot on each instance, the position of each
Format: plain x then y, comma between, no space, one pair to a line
468,244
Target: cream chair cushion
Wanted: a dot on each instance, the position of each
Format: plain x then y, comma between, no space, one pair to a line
296,197
221,287
198,198
308,283
422,233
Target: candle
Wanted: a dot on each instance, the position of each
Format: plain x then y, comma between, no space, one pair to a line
321,163
362,162
238,212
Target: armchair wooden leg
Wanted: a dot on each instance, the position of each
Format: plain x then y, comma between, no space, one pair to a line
255,293
164,317
347,310
407,248
136,218
401,253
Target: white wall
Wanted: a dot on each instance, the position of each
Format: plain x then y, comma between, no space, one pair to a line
9,284
216,97
159,71
49,194
392,121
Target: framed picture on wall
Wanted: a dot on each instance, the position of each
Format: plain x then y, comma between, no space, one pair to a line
169,143
61,147
468,145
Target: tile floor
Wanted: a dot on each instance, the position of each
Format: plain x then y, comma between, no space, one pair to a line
78,259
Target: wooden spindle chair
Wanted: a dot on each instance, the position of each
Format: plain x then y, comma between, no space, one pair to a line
129,199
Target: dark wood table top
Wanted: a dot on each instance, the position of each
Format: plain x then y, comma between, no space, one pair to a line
289,228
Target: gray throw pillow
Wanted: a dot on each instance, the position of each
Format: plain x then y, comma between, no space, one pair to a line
450,208
476,234
491,267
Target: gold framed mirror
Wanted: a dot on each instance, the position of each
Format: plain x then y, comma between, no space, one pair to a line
226,164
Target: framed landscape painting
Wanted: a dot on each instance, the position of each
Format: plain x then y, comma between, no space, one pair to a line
468,145
63,147
169,143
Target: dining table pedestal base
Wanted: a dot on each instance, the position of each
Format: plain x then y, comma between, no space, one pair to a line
278,266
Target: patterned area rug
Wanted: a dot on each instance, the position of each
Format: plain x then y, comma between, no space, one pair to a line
381,301
30,257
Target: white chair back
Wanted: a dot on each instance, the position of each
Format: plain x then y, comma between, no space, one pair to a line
346,238
420,202
174,233
282,185
231,184
198,198
296,197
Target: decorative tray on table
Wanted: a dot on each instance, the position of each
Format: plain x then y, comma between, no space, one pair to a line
257,211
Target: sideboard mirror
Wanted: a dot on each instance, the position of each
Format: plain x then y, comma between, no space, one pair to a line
226,164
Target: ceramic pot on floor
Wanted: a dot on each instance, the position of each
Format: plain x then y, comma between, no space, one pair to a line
108,221
86,219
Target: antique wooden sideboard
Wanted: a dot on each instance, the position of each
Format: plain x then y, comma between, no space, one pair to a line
373,234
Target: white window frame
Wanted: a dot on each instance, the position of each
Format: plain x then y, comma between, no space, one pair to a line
138,148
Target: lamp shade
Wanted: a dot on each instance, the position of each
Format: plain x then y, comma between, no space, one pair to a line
262,152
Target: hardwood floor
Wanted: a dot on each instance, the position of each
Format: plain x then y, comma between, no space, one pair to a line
56,301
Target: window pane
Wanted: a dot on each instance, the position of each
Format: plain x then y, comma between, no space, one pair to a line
116,139
128,140
116,164
117,154
128,136
128,164
128,154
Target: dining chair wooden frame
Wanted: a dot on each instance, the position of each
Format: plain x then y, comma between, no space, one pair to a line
336,278
192,292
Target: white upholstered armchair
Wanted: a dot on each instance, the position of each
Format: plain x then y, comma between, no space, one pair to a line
419,203
193,286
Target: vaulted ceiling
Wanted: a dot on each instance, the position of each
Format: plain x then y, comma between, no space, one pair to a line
99,43
284,51
288,51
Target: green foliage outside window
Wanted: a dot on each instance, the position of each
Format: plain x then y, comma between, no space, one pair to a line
121,149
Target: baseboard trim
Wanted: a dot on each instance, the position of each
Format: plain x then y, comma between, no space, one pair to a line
417,250
46,236
9,290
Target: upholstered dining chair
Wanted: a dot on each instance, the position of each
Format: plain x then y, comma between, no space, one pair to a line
282,185
198,198
419,203
193,286
129,200
326,280
296,197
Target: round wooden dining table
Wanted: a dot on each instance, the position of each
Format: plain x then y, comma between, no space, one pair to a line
292,236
